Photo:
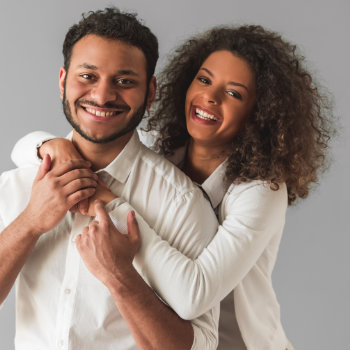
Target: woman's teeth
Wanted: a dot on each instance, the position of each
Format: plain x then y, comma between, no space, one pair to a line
204,115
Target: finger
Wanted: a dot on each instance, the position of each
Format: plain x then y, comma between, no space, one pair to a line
133,231
79,184
80,195
74,208
103,184
101,213
44,167
64,167
83,206
74,174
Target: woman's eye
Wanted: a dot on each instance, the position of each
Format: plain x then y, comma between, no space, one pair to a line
235,94
203,80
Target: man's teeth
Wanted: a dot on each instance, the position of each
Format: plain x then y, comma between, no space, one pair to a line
204,115
100,113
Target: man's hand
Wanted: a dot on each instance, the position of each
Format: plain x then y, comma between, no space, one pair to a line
62,150
106,252
56,190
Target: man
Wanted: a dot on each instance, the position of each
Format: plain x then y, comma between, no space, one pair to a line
58,260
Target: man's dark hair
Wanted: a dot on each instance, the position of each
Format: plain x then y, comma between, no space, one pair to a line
111,23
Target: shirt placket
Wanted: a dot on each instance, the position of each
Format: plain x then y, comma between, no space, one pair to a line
68,290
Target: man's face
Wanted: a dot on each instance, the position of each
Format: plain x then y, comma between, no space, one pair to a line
105,90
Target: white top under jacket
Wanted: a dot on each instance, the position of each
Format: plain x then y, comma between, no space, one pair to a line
59,303
235,267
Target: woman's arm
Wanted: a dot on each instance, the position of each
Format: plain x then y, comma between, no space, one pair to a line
253,214
28,150
25,151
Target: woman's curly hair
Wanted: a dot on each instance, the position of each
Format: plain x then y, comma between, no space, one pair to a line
286,137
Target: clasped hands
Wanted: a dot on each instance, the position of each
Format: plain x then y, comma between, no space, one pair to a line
65,182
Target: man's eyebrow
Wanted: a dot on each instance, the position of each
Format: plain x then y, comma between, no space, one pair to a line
126,72
119,72
87,66
234,83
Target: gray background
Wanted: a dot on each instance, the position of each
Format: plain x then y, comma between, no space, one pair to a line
312,278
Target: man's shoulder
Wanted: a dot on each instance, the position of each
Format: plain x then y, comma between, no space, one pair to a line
15,189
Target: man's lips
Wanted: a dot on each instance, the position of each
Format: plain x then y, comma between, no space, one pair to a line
104,112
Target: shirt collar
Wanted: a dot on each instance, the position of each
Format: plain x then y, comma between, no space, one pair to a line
121,166
215,186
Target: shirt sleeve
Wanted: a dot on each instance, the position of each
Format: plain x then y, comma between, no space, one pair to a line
2,227
205,326
25,151
252,214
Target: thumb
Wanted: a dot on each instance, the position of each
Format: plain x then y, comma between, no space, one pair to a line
44,167
133,231
101,213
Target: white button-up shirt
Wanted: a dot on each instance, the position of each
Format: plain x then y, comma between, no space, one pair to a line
59,303
235,268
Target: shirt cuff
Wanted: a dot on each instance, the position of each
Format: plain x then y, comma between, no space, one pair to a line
118,211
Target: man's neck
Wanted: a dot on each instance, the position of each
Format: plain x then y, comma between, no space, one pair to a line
100,154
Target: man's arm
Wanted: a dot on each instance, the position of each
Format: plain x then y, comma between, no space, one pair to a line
108,254
53,193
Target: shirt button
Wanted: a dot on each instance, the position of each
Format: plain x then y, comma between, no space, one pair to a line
67,291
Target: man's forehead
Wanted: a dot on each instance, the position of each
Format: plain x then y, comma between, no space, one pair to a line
97,52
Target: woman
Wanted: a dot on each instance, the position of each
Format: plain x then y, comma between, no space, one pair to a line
241,116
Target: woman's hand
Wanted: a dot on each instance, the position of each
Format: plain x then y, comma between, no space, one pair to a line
60,150
103,193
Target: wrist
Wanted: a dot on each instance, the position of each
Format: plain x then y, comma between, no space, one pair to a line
43,149
123,282
27,227
33,223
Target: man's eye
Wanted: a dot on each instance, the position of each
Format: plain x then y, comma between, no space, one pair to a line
125,81
86,76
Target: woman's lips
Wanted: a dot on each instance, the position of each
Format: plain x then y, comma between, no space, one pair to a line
204,116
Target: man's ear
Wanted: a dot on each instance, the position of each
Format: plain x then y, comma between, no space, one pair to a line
152,87
61,80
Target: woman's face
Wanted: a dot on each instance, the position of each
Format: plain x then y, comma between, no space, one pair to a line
219,99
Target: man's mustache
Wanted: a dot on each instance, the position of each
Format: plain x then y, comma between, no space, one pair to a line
123,107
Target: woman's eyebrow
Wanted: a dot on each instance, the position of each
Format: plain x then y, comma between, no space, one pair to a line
230,82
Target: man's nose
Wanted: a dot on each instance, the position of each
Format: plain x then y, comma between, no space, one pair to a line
103,92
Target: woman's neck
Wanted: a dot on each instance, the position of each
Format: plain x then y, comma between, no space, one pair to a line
202,160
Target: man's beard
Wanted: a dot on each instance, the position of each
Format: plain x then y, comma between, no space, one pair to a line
132,124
